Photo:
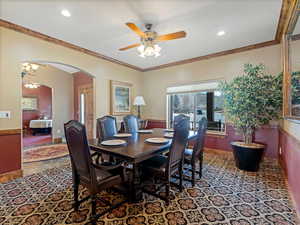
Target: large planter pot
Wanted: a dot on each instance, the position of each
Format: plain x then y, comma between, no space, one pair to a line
247,157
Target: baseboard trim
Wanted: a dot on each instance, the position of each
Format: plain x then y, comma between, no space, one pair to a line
5,177
217,151
57,140
10,132
294,202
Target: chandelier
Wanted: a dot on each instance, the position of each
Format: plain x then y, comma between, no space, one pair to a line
32,85
28,70
149,46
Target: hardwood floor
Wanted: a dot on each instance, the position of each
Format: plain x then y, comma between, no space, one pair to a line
37,167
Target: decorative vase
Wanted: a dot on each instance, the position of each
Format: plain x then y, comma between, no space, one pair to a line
247,156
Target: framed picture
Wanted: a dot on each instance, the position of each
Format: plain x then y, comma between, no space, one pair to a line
121,93
30,103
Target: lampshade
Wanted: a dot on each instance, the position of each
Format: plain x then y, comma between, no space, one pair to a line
139,100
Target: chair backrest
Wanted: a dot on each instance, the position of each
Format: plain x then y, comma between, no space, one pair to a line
106,127
199,144
179,142
143,124
79,150
131,124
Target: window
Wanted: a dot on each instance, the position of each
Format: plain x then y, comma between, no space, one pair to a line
291,67
82,109
197,101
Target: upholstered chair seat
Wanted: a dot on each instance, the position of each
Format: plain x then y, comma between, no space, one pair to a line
156,164
188,153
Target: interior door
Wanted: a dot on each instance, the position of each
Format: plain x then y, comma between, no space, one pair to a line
85,113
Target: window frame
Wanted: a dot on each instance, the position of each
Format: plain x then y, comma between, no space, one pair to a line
169,110
287,69
82,111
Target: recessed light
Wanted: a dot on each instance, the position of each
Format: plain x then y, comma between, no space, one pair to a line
65,13
221,33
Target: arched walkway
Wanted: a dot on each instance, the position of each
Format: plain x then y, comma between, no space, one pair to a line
72,98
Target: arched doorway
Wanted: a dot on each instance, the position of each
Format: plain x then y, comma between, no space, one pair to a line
72,98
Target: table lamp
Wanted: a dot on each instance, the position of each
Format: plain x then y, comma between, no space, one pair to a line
138,101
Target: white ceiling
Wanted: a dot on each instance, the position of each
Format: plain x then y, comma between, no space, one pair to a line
100,25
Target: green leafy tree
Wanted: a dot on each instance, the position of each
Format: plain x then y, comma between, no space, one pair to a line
252,99
295,87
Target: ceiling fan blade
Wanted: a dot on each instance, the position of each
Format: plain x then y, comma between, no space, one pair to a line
130,46
167,37
137,30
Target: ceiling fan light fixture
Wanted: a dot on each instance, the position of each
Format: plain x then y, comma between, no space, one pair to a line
221,33
149,39
66,13
150,50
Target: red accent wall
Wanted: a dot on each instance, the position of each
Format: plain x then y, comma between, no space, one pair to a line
79,79
44,95
268,135
290,161
10,154
156,124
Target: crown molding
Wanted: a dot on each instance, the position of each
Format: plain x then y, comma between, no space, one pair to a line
24,30
286,22
18,28
214,55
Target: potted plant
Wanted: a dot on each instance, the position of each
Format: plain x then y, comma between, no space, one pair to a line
250,101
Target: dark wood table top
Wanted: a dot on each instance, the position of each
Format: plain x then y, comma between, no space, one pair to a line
136,149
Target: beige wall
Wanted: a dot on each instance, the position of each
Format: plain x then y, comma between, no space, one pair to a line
16,47
62,95
225,67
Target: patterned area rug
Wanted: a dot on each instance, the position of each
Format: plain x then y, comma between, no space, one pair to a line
45,153
31,141
224,196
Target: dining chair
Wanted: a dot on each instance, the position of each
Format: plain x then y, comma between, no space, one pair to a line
192,156
164,167
131,124
106,127
143,124
94,177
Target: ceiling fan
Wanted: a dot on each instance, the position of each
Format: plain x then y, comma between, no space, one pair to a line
149,40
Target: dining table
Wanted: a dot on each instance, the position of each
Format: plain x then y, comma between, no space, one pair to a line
135,151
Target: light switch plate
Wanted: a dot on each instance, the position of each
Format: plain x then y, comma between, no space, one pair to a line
4,114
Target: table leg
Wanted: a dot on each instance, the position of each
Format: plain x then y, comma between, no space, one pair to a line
136,191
